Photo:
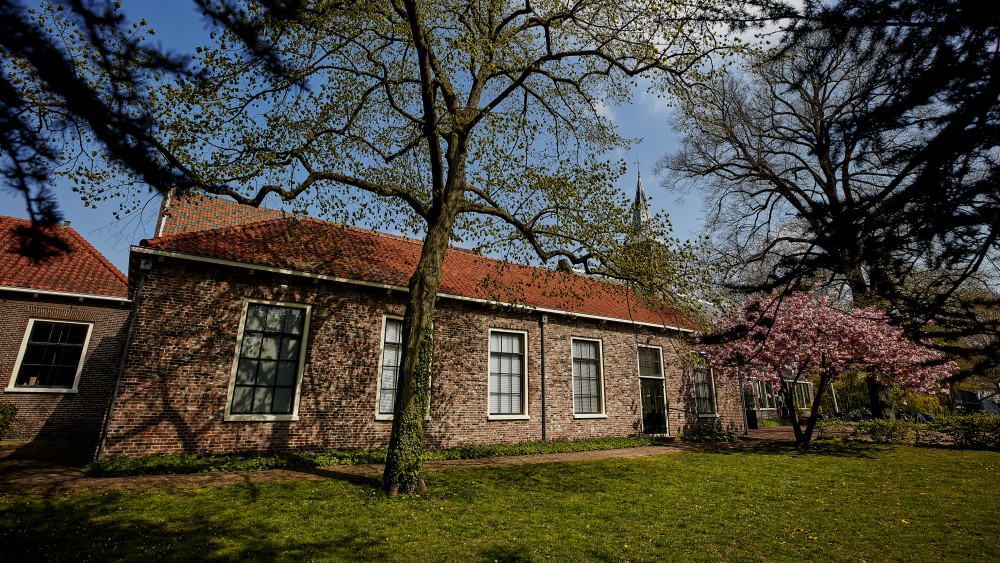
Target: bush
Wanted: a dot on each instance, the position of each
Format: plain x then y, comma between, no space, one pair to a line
884,431
978,431
709,436
7,414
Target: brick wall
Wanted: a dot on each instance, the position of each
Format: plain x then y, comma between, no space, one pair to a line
73,416
174,392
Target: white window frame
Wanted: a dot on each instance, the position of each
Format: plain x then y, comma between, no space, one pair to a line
600,369
715,395
524,375
294,415
12,386
638,361
661,378
799,390
760,390
381,359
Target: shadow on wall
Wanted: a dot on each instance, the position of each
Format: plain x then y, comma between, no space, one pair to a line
72,428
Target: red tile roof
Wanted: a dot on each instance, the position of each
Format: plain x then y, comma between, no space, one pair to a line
197,212
82,269
320,247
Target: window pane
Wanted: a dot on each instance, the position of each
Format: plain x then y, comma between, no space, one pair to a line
267,373
262,400
269,346
275,319
293,321
246,372
286,373
242,400
251,345
282,400
290,349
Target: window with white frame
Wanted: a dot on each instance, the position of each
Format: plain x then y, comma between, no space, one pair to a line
269,362
704,391
587,393
51,356
392,356
765,395
508,374
802,395
650,364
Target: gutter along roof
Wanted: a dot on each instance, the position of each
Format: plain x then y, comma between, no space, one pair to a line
81,271
320,249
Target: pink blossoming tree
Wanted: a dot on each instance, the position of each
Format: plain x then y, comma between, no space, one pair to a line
807,336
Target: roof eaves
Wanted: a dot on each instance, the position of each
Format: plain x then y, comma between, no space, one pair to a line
59,293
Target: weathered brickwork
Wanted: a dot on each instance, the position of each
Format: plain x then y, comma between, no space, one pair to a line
178,369
71,416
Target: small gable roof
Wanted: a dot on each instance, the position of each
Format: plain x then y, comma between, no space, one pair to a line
351,254
81,270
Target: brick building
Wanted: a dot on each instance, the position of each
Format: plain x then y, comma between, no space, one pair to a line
283,334
61,329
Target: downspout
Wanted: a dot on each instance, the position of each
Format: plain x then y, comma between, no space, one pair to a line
542,321
145,266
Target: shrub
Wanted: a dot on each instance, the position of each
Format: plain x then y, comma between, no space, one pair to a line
7,414
884,431
978,431
708,436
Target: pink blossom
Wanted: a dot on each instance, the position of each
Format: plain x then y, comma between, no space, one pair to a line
804,333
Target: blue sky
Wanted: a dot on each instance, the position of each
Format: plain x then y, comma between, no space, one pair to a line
179,28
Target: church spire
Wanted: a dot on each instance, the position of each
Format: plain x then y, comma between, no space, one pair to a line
640,209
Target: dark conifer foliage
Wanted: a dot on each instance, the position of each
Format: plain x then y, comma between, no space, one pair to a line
111,112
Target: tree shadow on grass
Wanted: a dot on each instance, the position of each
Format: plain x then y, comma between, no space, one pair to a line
111,527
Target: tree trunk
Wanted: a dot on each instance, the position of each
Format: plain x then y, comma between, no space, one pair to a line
793,412
403,465
824,381
879,399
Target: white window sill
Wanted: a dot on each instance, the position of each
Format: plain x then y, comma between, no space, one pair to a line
40,390
508,417
598,415
260,417
708,415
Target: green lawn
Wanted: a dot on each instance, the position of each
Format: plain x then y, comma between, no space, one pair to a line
843,502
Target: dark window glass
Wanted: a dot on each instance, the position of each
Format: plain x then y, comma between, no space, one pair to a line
53,355
392,355
268,366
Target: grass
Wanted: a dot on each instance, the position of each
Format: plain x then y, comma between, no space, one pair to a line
160,464
841,502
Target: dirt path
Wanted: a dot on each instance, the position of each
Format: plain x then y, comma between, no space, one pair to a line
40,477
